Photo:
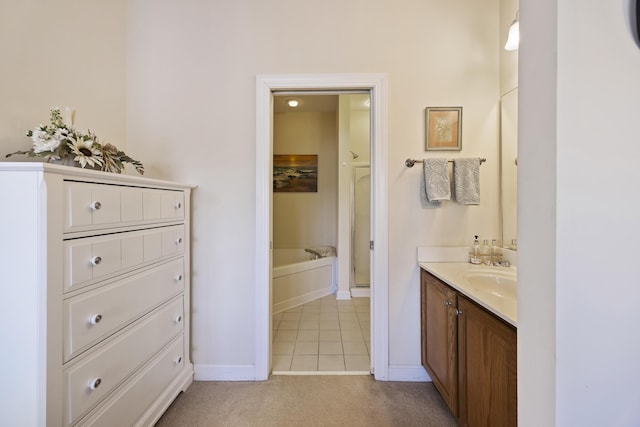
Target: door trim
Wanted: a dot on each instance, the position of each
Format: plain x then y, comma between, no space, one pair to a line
265,86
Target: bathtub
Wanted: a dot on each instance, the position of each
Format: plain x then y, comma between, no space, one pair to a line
298,279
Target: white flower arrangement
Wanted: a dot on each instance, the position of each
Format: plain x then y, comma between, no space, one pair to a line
60,141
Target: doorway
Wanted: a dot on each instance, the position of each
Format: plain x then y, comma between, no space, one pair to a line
321,145
266,86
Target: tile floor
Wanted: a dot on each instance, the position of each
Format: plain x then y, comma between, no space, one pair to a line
324,335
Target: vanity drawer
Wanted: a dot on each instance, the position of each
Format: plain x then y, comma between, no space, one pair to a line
91,259
92,378
92,206
94,315
130,402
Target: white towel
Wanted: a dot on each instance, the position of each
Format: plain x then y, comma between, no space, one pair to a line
466,175
436,185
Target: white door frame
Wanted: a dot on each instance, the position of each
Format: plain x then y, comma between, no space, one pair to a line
265,86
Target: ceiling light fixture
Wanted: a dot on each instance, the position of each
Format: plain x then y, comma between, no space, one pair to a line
293,103
513,39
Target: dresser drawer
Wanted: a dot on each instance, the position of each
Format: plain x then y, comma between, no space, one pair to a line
91,259
130,402
96,375
163,204
90,206
94,315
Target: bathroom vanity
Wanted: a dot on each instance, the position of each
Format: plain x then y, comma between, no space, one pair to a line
469,337
96,296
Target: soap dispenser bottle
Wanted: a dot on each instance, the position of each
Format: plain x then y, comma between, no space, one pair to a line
474,255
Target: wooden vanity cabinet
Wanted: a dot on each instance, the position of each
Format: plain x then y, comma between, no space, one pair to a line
439,337
487,368
470,355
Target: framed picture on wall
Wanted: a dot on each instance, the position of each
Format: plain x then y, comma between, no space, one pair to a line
443,128
295,173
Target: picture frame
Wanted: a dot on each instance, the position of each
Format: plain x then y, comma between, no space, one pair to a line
443,130
295,173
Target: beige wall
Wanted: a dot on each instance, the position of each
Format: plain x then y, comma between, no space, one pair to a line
57,54
302,220
192,67
189,115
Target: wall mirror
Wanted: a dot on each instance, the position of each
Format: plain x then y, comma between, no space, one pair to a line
509,168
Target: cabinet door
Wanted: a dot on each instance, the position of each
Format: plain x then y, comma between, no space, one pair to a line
487,363
439,337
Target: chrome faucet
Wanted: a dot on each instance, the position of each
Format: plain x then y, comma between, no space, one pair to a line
314,254
503,263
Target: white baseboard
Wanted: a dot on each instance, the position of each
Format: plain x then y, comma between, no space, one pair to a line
361,292
224,372
341,295
247,373
408,374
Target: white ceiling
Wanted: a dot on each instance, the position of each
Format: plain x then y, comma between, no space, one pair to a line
308,103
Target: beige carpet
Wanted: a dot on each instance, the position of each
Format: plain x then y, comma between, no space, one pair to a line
309,401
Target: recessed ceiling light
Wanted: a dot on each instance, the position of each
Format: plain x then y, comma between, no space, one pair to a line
293,103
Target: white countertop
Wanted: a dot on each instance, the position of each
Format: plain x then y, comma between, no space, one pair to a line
455,274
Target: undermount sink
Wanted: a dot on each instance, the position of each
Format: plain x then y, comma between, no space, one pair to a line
499,283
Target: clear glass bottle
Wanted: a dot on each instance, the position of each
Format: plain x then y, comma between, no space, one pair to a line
474,255
496,252
485,252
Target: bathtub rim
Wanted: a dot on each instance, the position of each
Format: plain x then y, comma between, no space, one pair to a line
298,266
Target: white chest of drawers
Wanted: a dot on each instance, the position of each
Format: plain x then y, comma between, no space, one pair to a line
95,280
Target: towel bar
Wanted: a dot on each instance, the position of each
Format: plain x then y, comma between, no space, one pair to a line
410,162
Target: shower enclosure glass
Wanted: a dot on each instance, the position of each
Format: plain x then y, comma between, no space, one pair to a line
361,224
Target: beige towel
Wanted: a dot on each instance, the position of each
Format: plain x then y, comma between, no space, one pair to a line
466,175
